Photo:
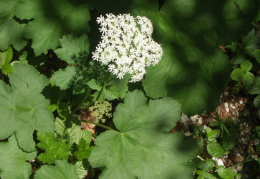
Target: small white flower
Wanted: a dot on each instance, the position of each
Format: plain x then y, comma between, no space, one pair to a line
127,45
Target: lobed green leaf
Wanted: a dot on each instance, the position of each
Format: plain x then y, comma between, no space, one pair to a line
23,108
54,149
10,30
62,169
142,148
52,19
13,160
5,58
74,132
72,45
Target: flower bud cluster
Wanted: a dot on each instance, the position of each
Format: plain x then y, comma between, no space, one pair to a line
100,110
127,45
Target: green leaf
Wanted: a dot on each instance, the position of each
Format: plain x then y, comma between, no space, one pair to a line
74,132
257,54
248,79
115,6
5,58
212,134
23,108
211,164
114,90
143,148
69,17
62,169
230,140
238,57
63,77
193,69
225,173
255,88
200,164
215,149
63,109
251,42
84,150
54,149
10,30
75,52
121,85
13,160
7,68
257,101
103,92
200,143
81,169
72,45
237,74
246,65
204,174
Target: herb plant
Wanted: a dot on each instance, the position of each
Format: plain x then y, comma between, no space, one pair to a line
134,66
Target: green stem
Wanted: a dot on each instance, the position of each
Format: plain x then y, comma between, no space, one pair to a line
86,95
100,125
241,163
255,25
101,94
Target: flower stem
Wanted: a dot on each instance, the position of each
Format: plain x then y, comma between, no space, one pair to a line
86,95
101,94
100,125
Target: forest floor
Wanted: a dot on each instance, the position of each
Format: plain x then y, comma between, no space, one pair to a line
236,110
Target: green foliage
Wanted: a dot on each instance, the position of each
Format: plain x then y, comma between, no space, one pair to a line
10,30
75,52
142,148
257,102
72,46
74,132
215,149
83,150
54,149
225,173
203,174
113,90
212,134
249,49
255,89
229,140
62,169
81,169
243,74
59,18
13,160
5,58
193,67
23,108
63,77
72,49
58,38
257,54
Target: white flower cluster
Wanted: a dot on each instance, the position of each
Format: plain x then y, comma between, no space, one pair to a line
127,45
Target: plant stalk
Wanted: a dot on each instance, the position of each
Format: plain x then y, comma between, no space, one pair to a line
86,95
100,125
101,94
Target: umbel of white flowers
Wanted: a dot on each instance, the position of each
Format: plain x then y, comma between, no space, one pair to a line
127,45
